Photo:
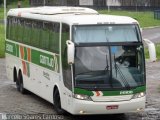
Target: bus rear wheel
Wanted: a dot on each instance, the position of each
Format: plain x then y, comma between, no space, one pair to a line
21,85
18,85
57,102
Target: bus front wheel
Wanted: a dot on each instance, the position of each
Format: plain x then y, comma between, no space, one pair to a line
57,102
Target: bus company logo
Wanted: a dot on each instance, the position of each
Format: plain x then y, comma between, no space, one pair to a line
97,93
50,62
9,48
126,92
25,54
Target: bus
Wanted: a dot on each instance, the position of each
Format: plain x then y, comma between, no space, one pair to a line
81,61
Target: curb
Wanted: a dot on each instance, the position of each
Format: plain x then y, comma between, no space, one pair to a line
151,27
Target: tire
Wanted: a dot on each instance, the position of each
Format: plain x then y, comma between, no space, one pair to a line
21,86
18,85
57,102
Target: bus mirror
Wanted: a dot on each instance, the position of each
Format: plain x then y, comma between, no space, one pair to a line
70,51
141,29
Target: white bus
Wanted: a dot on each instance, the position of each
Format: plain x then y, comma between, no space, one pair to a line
77,59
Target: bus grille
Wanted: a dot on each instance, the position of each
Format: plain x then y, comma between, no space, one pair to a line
111,98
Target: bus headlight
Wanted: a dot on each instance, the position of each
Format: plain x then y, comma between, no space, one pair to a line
139,95
82,97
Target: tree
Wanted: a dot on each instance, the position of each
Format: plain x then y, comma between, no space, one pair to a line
1,2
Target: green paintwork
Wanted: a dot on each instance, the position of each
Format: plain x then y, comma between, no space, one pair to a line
110,93
52,61
11,48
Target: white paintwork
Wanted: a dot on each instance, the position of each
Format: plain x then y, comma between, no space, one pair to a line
73,16
43,87
86,2
70,51
90,107
151,49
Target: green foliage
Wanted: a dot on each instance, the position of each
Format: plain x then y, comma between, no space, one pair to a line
146,52
158,51
2,41
146,19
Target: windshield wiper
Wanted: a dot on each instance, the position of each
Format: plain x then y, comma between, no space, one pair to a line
117,68
107,66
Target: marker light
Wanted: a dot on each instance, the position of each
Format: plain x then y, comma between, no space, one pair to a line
139,95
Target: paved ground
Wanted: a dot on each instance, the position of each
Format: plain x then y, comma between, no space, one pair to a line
152,34
13,102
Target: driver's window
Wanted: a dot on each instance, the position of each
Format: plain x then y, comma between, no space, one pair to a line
66,68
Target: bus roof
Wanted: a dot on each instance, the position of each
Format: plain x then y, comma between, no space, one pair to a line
70,15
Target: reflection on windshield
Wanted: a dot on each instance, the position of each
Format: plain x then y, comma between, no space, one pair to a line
92,65
127,65
109,67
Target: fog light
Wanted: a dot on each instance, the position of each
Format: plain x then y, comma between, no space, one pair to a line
139,109
81,112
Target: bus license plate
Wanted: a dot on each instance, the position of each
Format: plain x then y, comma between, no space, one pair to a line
112,107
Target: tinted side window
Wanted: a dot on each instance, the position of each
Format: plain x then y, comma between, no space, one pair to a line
27,31
67,76
44,44
13,28
54,38
36,33
20,28
9,28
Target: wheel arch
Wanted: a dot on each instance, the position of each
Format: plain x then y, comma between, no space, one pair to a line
56,87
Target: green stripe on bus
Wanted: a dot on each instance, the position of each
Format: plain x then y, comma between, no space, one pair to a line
25,54
83,92
10,48
45,60
111,93
48,61
17,50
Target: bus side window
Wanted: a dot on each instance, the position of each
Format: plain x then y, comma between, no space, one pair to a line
8,27
20,26
35,34
44,44
54,38
66,68
27,32
13,28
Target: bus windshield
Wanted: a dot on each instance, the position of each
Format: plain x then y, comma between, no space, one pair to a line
103,66
105,33
108,67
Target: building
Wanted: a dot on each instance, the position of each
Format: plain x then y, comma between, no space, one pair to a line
99,3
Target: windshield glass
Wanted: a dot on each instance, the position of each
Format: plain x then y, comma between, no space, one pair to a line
109,67
105,33
92,65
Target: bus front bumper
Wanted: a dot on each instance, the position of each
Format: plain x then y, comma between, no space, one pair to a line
82,107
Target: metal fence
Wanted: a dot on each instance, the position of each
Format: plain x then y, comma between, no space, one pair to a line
126,4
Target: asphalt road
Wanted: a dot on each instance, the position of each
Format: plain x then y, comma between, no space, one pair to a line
12,102
152,34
